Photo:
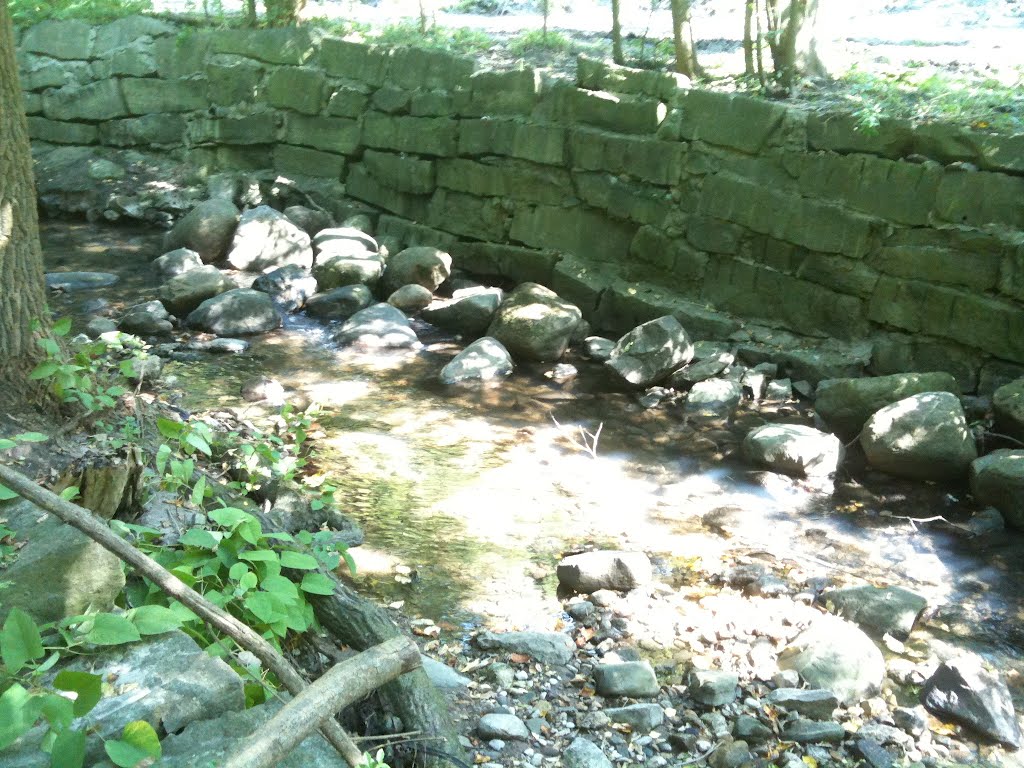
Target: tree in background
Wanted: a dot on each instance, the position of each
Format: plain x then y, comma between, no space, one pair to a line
22,296
682,37
617,56
788,29
279,13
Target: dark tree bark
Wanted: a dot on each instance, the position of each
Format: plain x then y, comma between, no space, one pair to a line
617,56
22,291
682,34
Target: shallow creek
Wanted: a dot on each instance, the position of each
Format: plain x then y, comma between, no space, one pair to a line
470,495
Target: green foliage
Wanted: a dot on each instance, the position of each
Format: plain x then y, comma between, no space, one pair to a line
461,40
5,492
537,41
88,374
236,565
921,95
28,12
28,651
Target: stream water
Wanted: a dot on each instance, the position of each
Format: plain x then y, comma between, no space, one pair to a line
470,495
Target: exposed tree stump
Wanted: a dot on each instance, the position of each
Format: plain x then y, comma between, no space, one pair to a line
107,485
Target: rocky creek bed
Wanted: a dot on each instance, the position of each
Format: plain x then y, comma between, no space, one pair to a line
603,572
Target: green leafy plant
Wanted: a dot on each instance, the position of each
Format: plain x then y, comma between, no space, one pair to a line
26,12
29,651
461,40
91,373
537,40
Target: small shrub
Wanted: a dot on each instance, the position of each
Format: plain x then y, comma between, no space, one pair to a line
537,41
408,34
28,12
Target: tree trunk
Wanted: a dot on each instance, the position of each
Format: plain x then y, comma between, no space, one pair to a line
617,56
283,13
748,39
22,295
682,34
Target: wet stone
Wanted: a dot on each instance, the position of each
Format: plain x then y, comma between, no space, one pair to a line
77,281
964,691
874,754
598,348
752,730
811,703
813,731
632,678
713,687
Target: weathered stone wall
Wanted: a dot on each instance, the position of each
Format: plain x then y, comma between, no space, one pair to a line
624,192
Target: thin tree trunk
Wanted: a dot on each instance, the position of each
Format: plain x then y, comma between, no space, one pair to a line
617,56
545,8
22,291
760,45
748,39
686,54
786,64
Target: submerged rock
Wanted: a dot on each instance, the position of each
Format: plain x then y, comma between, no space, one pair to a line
241,312
964,691
922,437
483,360
651,351
534,323
380,326
997,479
76,281
794,449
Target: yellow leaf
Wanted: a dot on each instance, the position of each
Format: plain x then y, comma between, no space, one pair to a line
810,762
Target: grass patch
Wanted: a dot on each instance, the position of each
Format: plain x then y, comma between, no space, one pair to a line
28,12
461,40
922,95
536,41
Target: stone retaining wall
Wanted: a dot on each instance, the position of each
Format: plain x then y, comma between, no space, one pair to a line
626,193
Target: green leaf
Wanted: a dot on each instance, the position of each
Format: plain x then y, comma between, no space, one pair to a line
6,493
154,619
317,584
198,537
199,492
32,437
198,442
237,571
17,715
304,537
248,581
251,531
68,749
44,370
263,606
138,742
111,629
62,327
229,517
20,642
88,688
349,562
255,555
298,560
163,453
69,493
282,587
58,711
169,428
5,444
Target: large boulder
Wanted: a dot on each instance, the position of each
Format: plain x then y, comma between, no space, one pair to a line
834,655
650,352
794,449
207,230
339,303
410,298
997,480
150,318
291,286
547,647
845,405
336,270
1008,405
877,610
469,312
265,239
380,326
421,265
606,569
343,240
922,437
177,262
635,679
964,691
713,399
185,292
240,312
534,323
58,571
483,360
309,220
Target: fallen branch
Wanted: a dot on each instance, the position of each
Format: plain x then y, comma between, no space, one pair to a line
97,530
344,684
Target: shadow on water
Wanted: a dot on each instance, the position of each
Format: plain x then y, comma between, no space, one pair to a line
469,495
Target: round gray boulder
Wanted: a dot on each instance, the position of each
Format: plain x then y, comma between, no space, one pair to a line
290,286
483,360
150,318
651,351
339,303
534,323
794,449
1008,404
997,480
207,229
239,312
380,326
188,290
922,437
336,270
469,312
265,239
607,569
411,298
421,265
177,262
